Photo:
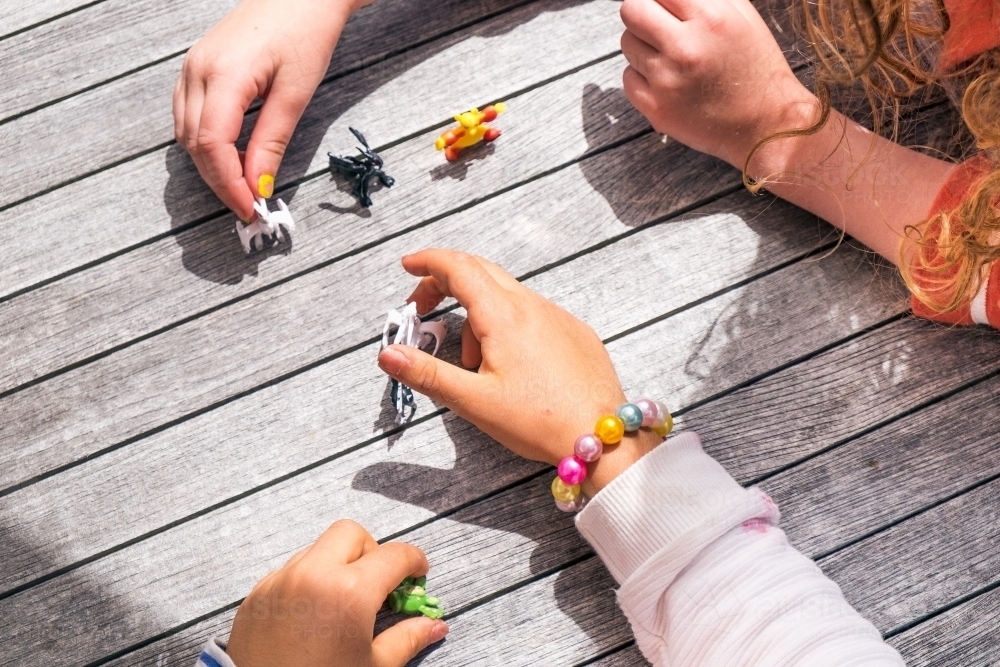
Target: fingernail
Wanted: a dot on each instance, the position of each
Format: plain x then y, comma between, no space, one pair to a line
439,631
265,185
391,360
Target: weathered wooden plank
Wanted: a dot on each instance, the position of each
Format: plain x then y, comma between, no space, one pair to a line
19,16
186,369
108,39
561,619
874,480
265,527
203,264
960,637
33,259
82,315
73,138
452,534
108,616
836,395
627,657
93,521
920,565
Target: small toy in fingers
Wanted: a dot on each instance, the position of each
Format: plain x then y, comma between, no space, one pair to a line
411,598
361,169
265,223
410,330
471,130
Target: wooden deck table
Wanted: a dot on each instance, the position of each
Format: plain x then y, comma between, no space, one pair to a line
179,418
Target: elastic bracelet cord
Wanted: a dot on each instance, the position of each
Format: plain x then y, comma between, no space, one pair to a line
572,470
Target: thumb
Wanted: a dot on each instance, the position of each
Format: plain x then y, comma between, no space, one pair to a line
399,644
432,377
271,133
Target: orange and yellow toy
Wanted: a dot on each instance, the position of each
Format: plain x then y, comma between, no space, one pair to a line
470,131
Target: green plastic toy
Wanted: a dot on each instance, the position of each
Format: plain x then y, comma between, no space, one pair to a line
410,597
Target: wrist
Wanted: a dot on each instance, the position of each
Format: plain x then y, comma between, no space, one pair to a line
618,459
799,109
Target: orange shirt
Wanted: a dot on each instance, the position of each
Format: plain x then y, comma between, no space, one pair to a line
974,28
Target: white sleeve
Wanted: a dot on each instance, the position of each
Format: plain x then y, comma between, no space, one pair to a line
707,578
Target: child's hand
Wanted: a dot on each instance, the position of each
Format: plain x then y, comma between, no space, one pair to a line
544,376
319,609
278,50
709,74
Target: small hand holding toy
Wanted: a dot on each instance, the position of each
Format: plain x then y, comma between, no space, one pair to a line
411,598
411,331
265,223
470,131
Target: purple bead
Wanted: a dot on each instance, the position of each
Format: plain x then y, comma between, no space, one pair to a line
572,470
649,411
588,447
574,505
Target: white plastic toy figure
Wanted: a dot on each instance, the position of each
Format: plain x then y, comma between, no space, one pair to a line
410,330
265,223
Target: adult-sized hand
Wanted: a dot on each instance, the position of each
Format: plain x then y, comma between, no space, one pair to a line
319,609
543,377
278,50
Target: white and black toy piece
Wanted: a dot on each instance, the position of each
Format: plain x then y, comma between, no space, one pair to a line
265,223
410,330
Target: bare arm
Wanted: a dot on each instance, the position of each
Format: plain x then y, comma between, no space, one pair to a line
709,74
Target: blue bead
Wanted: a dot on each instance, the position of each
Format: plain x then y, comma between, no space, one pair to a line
631,416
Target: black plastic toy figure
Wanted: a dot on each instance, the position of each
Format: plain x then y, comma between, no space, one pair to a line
361,170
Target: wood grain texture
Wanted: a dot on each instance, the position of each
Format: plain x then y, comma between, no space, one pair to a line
72,138
196,571
204,266
576,607
920,565
833,396
108,39
19,16
310,318
965,636
76,317
166,174
627,657
214,560
92,520
891,472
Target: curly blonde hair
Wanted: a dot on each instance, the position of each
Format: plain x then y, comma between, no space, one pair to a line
891,49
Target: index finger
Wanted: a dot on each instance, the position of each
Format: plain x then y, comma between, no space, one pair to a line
219,127
342,543
386,566
456,274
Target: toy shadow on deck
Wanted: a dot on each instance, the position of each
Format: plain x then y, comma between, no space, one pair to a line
208,254
459,169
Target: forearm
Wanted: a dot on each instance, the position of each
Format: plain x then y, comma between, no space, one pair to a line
707,577
870,187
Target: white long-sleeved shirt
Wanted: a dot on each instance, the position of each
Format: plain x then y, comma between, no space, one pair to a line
708,579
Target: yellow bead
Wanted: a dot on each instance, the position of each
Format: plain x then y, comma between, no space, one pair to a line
610,429
668,426
563,491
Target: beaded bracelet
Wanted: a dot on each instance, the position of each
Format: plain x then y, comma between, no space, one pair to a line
609,430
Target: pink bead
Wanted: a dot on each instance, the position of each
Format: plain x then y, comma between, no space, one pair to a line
649,411
572,470
574,505
588,447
